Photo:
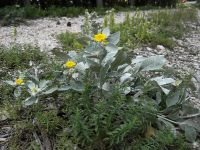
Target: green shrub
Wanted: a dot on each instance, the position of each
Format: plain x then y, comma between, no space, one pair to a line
18,57
100,98
69,41
157,28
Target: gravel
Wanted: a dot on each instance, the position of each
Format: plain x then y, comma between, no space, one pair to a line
43,32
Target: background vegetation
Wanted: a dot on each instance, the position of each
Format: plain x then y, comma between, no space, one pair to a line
89,3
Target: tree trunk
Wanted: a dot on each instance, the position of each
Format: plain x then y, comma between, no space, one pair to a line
132,3
99,3
27,2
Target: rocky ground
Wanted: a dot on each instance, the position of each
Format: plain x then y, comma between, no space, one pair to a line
184,58
43,32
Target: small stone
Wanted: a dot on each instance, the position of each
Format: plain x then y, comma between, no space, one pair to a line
69,24
58,22
160,47
180,42
149,49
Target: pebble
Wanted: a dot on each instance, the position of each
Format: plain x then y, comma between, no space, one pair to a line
160,47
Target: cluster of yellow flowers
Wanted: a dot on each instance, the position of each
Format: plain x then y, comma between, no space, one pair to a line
100,37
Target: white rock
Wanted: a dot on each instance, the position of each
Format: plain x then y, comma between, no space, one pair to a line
160,47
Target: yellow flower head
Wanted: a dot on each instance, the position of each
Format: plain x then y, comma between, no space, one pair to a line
100,37
70,64
19,81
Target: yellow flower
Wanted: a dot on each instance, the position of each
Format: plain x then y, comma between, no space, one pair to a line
19,81
100,37
70,64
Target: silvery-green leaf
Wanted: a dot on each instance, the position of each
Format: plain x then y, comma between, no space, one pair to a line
190,133
22,75
103,73
34,78
120,59
152,63
30,101
114,38
81,67
138,59
90,48
93,65
64,88
188,109
75,75
158,97
31,85
106,31
162,80
166,91
49,91
195,123
127,68
127,90
125,77
77,86
43,84
17,92
112,50
74,56
173,99
122,68
106,86
10,83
